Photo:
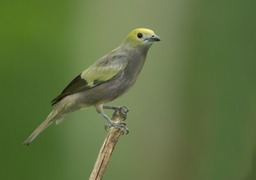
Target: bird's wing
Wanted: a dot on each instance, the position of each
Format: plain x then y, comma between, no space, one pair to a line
100,72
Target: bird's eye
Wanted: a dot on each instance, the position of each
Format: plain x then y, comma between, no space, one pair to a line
139,35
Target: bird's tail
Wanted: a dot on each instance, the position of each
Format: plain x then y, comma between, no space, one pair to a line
49,120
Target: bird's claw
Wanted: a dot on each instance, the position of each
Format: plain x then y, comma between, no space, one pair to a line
123,110
118,117
118,125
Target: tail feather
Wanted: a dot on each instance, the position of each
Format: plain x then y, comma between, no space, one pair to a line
49,120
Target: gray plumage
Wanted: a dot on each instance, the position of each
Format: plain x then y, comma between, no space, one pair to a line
108,78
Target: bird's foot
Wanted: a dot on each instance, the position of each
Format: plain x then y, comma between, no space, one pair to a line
118,125
122,110
118,117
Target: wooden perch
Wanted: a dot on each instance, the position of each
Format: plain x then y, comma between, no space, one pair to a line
108,145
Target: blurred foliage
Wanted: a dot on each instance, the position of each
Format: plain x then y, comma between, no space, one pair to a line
194,120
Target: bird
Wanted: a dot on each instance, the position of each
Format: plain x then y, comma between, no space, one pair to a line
105,80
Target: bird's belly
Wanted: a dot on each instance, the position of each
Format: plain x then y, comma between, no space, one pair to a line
105,92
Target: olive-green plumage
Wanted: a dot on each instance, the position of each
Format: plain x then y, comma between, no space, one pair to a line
106,79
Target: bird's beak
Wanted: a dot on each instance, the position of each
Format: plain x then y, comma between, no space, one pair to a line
154,38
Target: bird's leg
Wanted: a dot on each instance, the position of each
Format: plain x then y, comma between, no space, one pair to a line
111,107
111,122
123,110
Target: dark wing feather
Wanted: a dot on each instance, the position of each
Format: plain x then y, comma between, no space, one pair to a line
76,85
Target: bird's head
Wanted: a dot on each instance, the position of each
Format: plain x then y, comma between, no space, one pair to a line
142,37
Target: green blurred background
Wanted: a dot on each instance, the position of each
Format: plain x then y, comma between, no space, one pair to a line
192,110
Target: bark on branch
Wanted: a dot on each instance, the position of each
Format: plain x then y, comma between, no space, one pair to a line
108,145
